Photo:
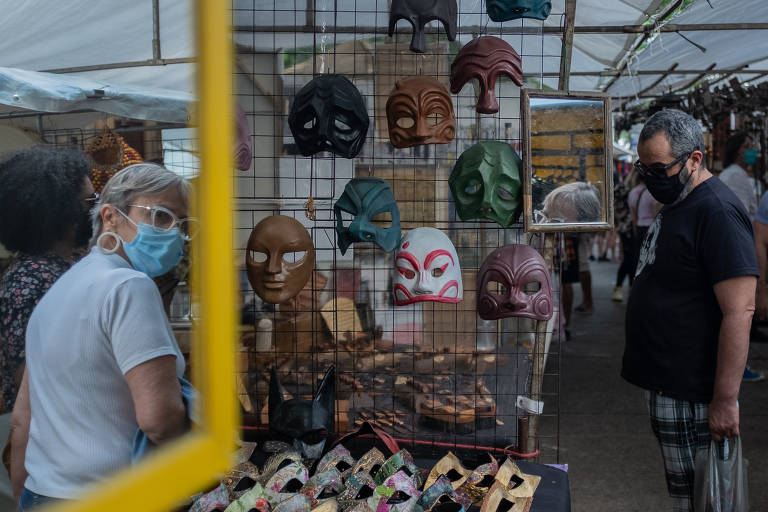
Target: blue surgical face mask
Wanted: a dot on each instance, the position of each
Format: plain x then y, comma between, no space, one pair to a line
750,156
152,251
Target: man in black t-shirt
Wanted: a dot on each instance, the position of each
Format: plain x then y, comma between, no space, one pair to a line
691,306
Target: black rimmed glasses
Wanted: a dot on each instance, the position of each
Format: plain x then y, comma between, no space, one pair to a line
657,169
164,220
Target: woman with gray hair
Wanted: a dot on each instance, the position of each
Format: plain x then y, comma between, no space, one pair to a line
101,357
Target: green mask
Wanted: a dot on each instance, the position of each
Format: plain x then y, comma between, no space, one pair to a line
486,183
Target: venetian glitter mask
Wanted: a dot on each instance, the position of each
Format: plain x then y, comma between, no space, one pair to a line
505,10
329,114
285,483
420,12
420,111
367,199
396,494
279,258
485,58
514,281
426,268
486,183
306,422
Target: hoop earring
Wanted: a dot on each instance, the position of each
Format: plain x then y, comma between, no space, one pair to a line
117,238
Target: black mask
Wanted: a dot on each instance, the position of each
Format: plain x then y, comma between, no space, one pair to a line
83,230
329,114
666,189
420,12
307,423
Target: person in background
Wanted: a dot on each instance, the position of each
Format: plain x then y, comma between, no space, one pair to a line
44,201
622,219
691,306
643,208
575,202
738,152
101,357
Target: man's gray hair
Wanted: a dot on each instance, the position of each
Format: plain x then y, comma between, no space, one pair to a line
134,181
581,196
683,131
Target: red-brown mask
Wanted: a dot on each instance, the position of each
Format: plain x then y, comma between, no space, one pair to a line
276,268
420,111
526,289
485,58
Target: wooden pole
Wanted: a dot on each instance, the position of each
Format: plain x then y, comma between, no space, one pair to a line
539,353
567,48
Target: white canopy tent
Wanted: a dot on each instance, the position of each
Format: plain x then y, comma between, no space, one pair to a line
149,45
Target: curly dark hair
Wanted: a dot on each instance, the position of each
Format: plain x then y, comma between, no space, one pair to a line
40,197
732,147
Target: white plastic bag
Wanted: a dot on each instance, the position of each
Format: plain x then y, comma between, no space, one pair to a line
721,478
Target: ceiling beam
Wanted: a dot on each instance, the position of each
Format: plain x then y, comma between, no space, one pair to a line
659,80
567,48
503,30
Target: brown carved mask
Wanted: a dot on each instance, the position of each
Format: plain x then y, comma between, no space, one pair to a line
485,58
420,111
525,287
279,258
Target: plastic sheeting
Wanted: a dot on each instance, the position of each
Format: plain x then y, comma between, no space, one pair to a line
48,92
44,35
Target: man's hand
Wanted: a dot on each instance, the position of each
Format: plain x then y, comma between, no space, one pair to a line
723,418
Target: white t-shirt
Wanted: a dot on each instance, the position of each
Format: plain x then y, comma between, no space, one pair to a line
99,320
742,185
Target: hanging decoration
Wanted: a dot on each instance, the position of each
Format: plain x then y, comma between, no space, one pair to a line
279,258
485,58
367,198
506,10
486,183
426,268
514,281
420,111
420,12
110,154
329,114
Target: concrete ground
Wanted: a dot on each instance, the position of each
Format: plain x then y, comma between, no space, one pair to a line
614,460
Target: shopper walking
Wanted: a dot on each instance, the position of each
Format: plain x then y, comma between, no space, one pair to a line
688,317
101,357
622,219
643,208
738,152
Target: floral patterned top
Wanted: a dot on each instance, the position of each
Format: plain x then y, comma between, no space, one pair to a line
22,286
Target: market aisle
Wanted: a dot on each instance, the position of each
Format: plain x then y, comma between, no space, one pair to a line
605,435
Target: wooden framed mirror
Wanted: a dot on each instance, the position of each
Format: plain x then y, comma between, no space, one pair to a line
567,161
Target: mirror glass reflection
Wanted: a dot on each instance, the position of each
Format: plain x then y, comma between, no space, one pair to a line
568,160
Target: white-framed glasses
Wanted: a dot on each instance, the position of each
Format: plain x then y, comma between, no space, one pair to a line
164,220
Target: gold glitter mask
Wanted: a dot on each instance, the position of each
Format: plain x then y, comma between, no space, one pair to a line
240,479
369,463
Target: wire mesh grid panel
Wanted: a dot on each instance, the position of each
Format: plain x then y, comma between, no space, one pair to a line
428,372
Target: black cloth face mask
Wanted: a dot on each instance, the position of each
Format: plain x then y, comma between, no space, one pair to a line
329,114
666,189
420,12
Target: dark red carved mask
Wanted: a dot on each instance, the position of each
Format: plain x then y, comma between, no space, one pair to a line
485,58
519,285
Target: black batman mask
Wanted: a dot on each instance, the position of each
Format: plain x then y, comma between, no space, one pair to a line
420,12
329,114
307,423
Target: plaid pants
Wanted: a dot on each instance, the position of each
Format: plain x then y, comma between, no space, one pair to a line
681,428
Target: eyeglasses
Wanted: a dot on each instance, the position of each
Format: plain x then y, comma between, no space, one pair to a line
659,170
92,199
539,217
164,220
